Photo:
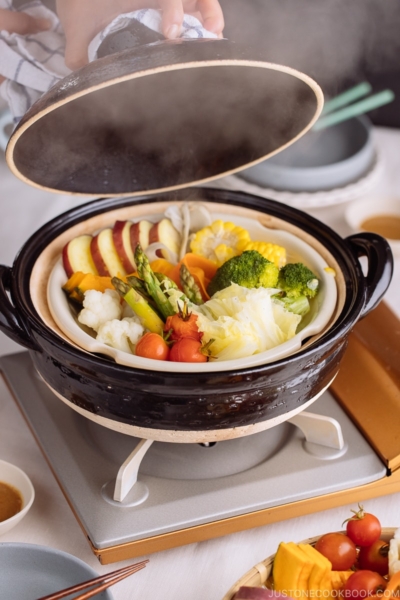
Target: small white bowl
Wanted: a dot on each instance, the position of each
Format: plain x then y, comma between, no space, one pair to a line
16,478
358,212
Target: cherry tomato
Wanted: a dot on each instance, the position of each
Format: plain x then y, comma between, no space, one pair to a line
183,324
364,583
187,350
375,557
152,345
339,549
363,528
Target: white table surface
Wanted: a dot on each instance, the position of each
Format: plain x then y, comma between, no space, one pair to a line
199,571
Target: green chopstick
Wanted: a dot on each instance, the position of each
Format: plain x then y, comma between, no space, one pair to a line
347,97
359,108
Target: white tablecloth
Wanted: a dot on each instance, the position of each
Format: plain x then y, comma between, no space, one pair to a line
198,571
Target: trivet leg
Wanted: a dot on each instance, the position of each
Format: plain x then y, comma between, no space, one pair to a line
319,429
128,472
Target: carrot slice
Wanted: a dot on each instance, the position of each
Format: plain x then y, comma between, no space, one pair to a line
393,587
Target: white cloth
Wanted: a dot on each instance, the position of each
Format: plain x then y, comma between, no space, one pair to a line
33,63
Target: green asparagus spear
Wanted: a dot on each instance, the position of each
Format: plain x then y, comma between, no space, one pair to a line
152,284
148,316
166,283
138,285
189,285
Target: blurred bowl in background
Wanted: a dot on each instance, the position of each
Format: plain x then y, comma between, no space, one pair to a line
377,214
320,160
14,478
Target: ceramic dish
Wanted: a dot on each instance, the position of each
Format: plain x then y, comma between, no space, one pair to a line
310,200
30,571
17,479
258,575
322,308
383,207
320,160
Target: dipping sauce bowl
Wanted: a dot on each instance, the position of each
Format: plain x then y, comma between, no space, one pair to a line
16,495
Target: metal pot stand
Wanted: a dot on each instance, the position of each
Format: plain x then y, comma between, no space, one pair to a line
184,493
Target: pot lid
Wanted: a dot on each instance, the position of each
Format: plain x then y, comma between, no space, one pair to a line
161,116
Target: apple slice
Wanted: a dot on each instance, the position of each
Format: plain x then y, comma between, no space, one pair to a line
122,243
165,233
76,256
140,234
105,256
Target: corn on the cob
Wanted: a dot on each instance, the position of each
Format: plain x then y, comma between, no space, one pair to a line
219,241
272,252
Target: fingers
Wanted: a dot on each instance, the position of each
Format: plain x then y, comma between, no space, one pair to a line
173,12
172,17
82,20
21,22
212,15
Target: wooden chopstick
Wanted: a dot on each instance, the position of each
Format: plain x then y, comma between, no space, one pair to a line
105,581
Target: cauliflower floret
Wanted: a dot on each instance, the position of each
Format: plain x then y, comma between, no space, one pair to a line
118,334
394,553
99,307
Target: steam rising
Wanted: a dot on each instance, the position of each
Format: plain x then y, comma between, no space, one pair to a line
330,40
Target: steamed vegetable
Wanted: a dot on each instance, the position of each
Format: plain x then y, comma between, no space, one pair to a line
301,569
79,283
244,321
272,252
121,334
152,345
298,306
189,285
295,279
99,307
183,324
188,349
250,269
148,316
220,241
394,554
151,283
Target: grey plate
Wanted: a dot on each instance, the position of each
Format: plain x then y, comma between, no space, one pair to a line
29,571
321,160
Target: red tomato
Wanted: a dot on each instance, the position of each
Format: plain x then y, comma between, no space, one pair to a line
152,345
375,557
187,350
364,529
183,324
364,583
338,549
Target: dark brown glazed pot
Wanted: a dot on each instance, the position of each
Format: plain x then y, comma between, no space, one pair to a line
197,406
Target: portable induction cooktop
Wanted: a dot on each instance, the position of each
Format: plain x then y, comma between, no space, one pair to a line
176,494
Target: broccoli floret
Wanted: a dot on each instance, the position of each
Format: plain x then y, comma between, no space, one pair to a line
250,269
298,306
297,280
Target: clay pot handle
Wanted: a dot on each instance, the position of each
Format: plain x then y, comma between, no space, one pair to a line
10,321
380,266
